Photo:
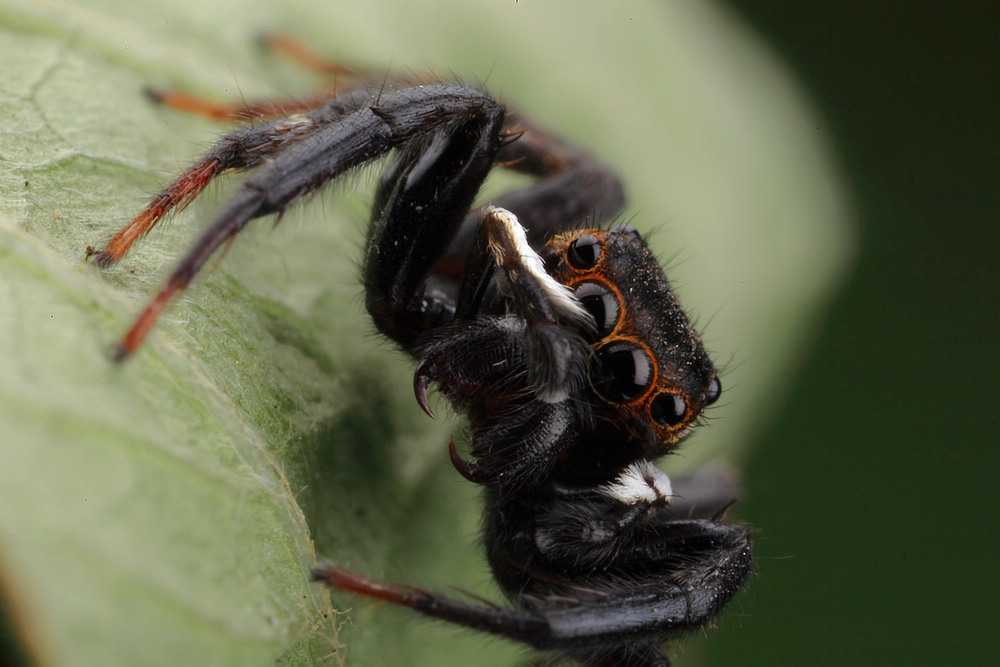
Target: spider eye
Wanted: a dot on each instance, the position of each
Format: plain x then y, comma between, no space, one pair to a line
584,252
600,303
625,229
713,391
668,409
620,372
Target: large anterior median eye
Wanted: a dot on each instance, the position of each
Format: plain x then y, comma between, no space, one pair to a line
621,372
601,303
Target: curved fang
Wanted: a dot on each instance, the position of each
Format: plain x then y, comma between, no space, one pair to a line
464,468
422,380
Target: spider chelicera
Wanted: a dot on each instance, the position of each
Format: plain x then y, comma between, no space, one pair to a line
559,339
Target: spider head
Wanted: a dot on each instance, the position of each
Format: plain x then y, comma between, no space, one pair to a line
648,369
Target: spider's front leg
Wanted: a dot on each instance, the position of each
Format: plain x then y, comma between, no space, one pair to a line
422,200
347,132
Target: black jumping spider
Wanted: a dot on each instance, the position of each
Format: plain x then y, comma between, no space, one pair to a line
561,341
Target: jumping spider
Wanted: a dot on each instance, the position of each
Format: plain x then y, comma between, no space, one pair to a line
560,340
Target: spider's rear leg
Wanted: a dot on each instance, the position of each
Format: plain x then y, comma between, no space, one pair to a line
344,77
606,616
247,110
297,51
491,618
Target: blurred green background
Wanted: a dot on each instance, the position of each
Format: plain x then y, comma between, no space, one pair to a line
873,492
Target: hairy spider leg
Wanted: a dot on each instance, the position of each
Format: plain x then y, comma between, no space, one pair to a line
345,77
323,154
224,112
175,197
295,50
492,618
544,204
586,193
577,190
422,198
690,571
238,151
580,192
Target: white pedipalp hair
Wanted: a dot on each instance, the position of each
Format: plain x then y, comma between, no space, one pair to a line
560,296
640,482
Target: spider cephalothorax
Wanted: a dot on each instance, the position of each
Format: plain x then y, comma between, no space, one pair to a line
647,358
559,339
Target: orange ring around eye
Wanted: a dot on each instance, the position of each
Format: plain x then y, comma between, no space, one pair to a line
623,371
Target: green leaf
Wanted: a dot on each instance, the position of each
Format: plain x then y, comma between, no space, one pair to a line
166,511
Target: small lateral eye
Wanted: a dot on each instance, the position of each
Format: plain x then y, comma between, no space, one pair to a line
625,229
668,409
601,303
584,252
713,391
620,372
